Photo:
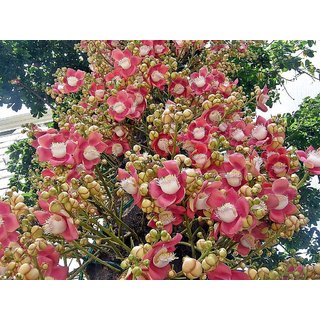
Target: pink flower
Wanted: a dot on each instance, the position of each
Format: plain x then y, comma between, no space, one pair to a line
179,87
262,98
8,224
73,80
139,103
201,81
156,75
200,156
161,145
239,132
97,91
112,77
243,47
214,115
56,148
120,105
58,224
169,187
280,195
226,87
223,272
120,131
198,130
171,216
129,182
259,133
160,256
125,62
311,159
160,47
235,171
50,257
88,150
116,146
230,210
146,48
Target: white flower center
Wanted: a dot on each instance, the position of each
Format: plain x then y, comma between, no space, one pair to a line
125,63
259,132
144,50
162,258
200,81
163,144
72,81
223,127
129,185
314,158
156,76
1,221
238,135
279,167
283,201
55,225
99,93
91,153
166,217
119,107
119,131
169,184
257,162
227,213
199,133
139,98
215,116
200,158
117,149
247,241
58,149
178,88
201,203
158,48
234,178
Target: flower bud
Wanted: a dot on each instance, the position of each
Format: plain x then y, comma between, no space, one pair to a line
191,268
33,274
138,251
24,268
83,192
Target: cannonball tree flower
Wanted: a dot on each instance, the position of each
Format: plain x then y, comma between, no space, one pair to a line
226,87
169,186
120,105
120,131
139,103
73,80
310,159
146,48
116,146
179,87
223,272
129,182
234,171
160,47
160,256
214,115
198,130
170,216
8,222
156,75
262,98
201,81
88,150
97,91
229,210
200,156
238,132
51,257
112,77
259,133
125,62
280,196
163,145
60,223
56,148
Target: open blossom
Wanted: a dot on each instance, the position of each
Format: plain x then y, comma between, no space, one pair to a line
280,196
97,91
139,103
56,148
116,146
89,149
262,98
229,210
200,156
58,224
214,115
112,77
198,130
235,171
223,272
146,48
156,75
120,105
238,132
160,47
162,146
50,257
311,159
201,81
179,87
73,80
160,256
259,135
129,182
170,216
169,187
226,87
125,62
8,226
